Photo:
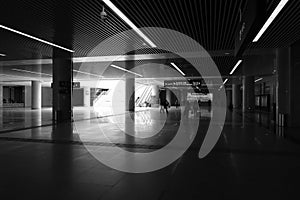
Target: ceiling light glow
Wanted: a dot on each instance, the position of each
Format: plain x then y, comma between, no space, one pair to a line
258,80
125,19
277,10
177,68
87,73
225,81
234,68
35,38
26,71
117,67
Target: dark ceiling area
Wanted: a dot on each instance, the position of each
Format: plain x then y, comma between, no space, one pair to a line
77,25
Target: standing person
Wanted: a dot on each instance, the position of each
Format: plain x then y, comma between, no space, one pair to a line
161,103
166,105
176,103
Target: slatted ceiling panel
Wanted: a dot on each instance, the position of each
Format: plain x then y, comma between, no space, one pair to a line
272,4
206,21
210,22
26,48
90,30
225,63
35,18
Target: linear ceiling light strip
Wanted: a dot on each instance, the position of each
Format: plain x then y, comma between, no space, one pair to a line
125,19
225,81
35,38
32,72
117,67
258,80
87,73
14,76
277,10
235,67
223,84
177,68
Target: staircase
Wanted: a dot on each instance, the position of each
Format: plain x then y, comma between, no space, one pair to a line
145,97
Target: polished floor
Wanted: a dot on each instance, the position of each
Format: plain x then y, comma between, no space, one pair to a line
250,160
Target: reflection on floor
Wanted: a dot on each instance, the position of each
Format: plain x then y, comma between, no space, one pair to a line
23,118
51,162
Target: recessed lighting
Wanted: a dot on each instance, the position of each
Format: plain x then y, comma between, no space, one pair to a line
117,67
35,38
234,68
177,68
125,19
32,72
258,80
277,10
227,53
2,54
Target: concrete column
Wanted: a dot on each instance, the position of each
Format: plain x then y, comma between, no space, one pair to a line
129,88
28,96
1,95
86,97
288,98
229,98
129,94
36,95
182,96
62,86
294,84
168,95
248,93
283,101
154,95
236,96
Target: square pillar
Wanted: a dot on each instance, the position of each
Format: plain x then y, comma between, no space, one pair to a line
248,94
62,86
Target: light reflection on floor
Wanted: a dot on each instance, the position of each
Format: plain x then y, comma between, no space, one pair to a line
50,163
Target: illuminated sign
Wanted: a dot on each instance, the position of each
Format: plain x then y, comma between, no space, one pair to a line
184,83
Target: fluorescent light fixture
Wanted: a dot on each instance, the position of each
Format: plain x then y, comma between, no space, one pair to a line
35,38
223,84
26,71
87,73
125,19
234,68
225,81
177,68
117,67
258,80
277,10
2,54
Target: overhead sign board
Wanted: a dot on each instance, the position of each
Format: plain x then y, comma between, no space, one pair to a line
183,83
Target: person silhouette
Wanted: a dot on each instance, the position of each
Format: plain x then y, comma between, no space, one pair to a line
166,105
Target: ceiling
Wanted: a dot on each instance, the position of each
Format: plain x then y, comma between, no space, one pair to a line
77,25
